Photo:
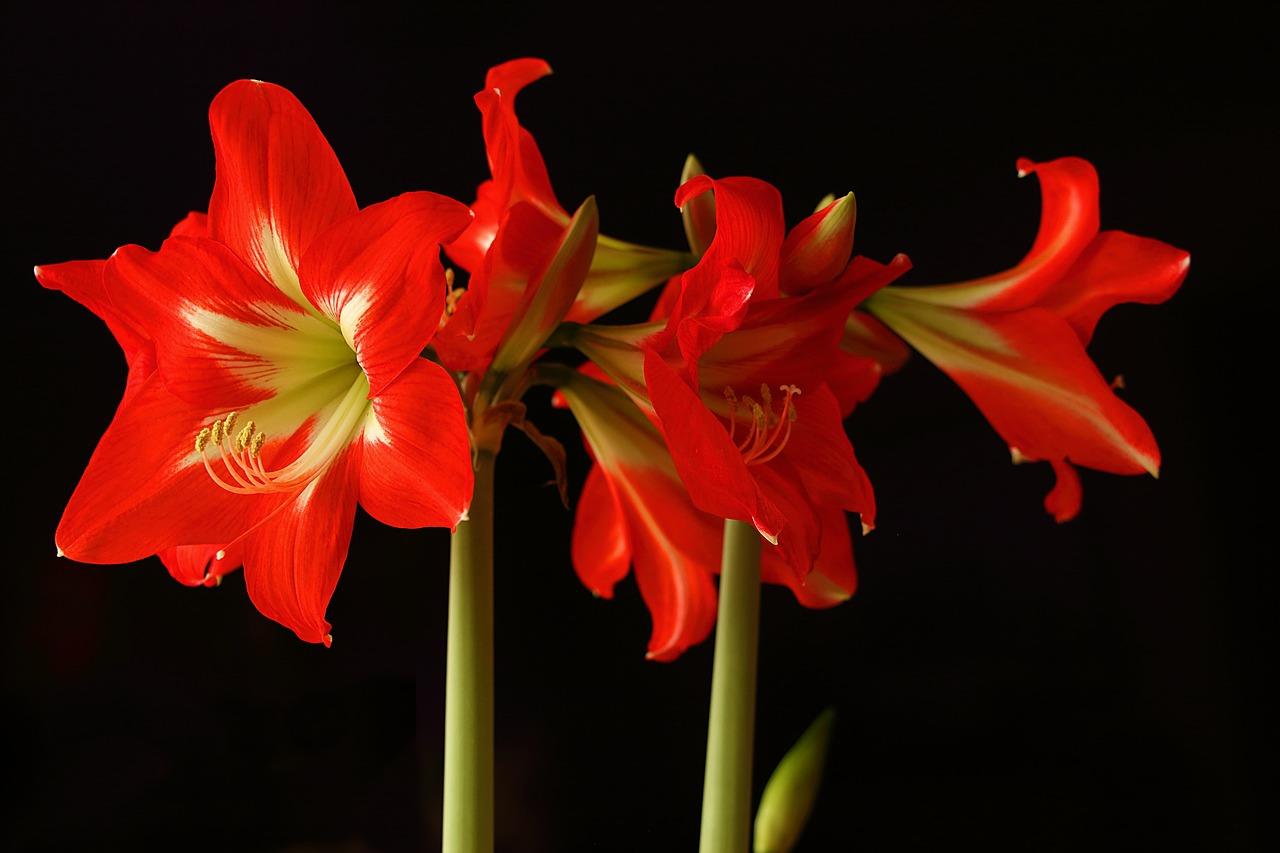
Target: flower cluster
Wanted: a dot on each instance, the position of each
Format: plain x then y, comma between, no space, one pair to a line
292,354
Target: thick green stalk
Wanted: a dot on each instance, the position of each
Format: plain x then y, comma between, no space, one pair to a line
468,704
726,788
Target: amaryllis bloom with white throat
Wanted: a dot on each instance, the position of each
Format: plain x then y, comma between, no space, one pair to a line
288,383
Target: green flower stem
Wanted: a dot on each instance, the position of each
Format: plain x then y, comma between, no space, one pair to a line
726,788
468,708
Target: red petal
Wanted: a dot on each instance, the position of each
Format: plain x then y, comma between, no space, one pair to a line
223,335
710,466
279,184
749,226
144,489
818,249
1063,501
83,281
194,224
525,244
519,173
833,578
292,562
601,545
1117,267
416,470
1068,224
198,565
674,546
377,274
1029,374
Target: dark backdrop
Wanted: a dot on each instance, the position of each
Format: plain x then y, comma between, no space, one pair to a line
1001,680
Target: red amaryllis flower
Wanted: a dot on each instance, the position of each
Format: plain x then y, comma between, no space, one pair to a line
518,226
634,511
1015,341
287,382
781,462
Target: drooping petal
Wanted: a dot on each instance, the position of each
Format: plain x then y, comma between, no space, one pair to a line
292,562
818,249
674,546
710,465
601,545
83,281
223,335
1029,374
378,276
1068,224
199,565
416,466
1064,499
1116,267
833,577
145,489
278,183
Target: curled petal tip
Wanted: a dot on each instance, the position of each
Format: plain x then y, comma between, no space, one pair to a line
328,641
1025,167
58,550
1017,456
866,528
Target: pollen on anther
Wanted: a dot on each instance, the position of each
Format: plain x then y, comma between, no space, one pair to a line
216,433
255,446
245,436
229,422
202,440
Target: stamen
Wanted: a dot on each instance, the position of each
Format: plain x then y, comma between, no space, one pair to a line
770,430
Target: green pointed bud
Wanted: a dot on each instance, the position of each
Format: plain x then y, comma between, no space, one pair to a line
819,248
699,213
825,201
550,295
793,788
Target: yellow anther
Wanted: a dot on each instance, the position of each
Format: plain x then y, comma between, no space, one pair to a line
766,398
216,433
730,396
245,436
229,422
255,446
448,277
202,440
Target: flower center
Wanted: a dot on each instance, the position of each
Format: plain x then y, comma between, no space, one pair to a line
240,452
768,431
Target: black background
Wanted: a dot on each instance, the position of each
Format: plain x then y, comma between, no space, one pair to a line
1001,681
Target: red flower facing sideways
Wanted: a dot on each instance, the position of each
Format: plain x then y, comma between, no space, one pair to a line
748,384
275,371
1015,341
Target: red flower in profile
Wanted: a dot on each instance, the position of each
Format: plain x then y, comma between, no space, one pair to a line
737,392
518,226
733,335
1015,341
275,377
634,511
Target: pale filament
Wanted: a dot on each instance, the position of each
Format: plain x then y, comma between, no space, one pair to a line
241,455
769,431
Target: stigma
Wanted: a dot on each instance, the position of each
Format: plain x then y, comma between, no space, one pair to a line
768,430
